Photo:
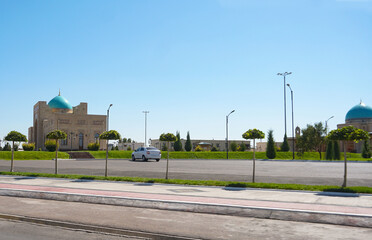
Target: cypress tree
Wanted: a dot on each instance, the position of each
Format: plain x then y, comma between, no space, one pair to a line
188,145
270,149
330,150
336,151
366,151
178,145
285,145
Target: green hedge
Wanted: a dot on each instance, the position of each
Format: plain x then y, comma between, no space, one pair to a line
32,155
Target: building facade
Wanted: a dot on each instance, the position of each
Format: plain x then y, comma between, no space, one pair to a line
359,116
81,128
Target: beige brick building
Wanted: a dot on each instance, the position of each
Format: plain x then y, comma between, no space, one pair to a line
81,127
205,144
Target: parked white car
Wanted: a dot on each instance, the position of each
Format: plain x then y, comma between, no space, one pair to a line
146,153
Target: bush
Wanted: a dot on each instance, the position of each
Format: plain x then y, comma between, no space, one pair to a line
242,147
164,148
7,147
330,151
366,152
214,149
336,151
233,146
285,146
50,145
16,146
129,148
28,146
198,149
93,146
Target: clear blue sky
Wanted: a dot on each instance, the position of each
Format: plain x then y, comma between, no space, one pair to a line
187,62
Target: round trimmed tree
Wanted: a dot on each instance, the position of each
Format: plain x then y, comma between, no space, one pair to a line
253,134
56,135
345,134
14,136
167,137
109,135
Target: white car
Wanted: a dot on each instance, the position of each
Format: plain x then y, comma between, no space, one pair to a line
146,153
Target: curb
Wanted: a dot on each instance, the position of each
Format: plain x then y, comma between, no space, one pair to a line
355,220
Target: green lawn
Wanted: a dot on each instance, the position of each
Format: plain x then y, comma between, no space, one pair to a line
32,155
40,155
300,187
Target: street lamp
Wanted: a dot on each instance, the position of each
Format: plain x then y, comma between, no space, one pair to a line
285,107
293,139
145,112
227,134
326,126
107,118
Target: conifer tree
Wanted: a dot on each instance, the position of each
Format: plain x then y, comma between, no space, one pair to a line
366,151
329,151
188,145
336,151
285,145
178,144
270,149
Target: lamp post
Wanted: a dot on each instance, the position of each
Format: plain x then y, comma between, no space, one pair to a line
326,126
145,112
107,118
285,107
227,134
293,139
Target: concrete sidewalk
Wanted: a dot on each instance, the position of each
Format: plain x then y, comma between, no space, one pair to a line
318,207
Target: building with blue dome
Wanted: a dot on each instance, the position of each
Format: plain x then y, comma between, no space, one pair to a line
81,128
359,116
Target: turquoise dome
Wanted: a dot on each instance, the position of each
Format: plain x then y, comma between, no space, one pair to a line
59,102
359,111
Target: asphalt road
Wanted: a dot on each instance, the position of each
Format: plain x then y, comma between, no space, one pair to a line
175,223
302,172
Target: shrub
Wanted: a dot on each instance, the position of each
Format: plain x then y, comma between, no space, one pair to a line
329,152
7,147
336,151
242,147
366,152
50,145
233,146
178,144
214,149
164,148
129,148
285,146
188,145
198,149
93,146
28,146
16,146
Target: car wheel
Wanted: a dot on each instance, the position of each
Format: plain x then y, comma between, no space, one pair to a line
144,158
157,160
133,158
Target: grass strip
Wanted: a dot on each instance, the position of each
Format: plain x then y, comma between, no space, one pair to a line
298,187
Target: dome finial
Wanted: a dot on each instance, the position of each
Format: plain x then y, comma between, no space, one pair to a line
361,102
59,92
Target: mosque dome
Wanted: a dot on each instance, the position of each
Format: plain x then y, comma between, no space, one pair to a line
360,111
59,102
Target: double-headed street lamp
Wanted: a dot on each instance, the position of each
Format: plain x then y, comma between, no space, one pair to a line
293,139
108,115
326,126
227,134
145,112
285,107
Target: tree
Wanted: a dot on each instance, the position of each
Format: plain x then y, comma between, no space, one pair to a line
349,133
253,134
167,137
125,140
178,144
188,145
242,147
330,150
233,146
285,145
56,135
14,136
129,140
109,135
7,147
270,149
366,151
336,151
312,138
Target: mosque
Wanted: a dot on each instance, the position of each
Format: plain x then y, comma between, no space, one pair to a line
81,128
359,116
